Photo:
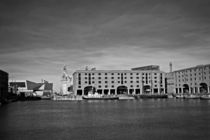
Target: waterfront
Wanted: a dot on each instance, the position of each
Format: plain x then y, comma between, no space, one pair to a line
106,120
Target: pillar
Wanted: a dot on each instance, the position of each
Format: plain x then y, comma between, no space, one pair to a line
198,89
102,91
194,90
182,90
109,92
208,89
83,92
141,90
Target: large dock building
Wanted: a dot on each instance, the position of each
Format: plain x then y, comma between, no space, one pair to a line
141,80
193,80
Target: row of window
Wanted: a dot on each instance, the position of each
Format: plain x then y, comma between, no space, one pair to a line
121,73
123,77
191,79
106,86
93,82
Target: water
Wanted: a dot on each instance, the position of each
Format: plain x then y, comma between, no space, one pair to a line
106,120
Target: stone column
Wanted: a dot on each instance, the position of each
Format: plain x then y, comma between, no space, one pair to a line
208,89
198,89
141,90
102,91
194,90
182,90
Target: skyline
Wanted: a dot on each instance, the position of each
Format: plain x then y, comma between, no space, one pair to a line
39,37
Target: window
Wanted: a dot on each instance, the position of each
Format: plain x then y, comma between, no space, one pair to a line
99,86
106,81
112,77
112,81
131,81
99,82
106,86
79,86
137,81
112,86
105,73
112,73
105,77
99,77
99,73
131,77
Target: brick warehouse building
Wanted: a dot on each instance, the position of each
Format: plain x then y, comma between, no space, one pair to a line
3,86
134,81
193,80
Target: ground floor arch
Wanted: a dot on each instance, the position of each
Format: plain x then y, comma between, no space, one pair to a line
203,88
89,89
146,89
185,88
122,90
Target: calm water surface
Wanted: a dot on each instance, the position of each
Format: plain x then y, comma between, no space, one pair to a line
168,119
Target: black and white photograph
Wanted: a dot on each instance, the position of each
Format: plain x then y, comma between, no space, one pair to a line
104,69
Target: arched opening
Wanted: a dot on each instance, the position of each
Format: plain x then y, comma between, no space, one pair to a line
89,89
122,90
185,88
146,89
203,88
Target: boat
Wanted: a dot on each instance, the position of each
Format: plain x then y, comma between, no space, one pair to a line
191,96
126,97
46,97
179,96
153,96
205,97
97,96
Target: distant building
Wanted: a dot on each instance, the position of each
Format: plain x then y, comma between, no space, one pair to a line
193,80
3,86
135,81
29,88
149,67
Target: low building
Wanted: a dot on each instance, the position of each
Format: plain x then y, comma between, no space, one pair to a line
3,86
119,81
193,80
29,88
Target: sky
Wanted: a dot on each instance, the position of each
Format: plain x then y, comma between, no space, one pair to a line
39,37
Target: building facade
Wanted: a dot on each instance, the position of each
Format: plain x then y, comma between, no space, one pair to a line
3,86
119,81
29,88
194,80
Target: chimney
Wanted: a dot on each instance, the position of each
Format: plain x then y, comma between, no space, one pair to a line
170,65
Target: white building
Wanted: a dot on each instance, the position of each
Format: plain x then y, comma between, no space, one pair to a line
193,80
119,81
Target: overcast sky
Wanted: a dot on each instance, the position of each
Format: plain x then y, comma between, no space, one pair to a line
39,37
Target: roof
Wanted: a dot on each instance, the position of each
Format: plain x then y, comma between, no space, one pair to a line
117,71
198,66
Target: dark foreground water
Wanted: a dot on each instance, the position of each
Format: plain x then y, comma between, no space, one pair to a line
168,119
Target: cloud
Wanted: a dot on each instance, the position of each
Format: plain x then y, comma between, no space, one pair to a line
39,37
